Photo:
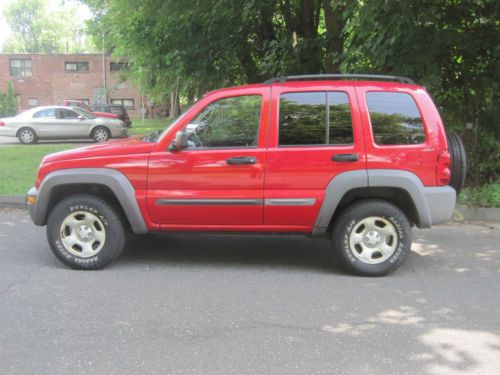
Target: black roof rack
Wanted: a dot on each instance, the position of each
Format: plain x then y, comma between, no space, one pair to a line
340,76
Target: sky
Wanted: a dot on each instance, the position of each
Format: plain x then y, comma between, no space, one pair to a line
52,5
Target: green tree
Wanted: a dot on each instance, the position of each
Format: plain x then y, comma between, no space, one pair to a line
9,101
451,47
34,30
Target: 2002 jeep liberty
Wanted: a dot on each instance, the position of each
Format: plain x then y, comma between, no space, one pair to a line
359,158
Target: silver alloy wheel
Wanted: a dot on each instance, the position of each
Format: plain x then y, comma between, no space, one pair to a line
101,135
373,240
83,234
27,136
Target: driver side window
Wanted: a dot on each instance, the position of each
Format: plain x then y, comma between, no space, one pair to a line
229,122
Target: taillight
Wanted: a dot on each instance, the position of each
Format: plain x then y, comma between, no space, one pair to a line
443,168
2,123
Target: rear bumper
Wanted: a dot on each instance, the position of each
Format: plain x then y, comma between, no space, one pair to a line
7,132
440,202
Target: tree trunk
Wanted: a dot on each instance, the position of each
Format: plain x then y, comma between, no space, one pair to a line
335,23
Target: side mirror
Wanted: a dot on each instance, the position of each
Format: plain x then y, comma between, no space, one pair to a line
80,117
180,142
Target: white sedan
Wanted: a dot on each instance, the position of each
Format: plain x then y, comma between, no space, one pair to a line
57,122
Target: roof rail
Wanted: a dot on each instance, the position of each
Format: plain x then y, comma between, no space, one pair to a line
339,76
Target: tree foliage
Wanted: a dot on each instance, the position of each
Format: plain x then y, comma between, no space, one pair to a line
191,46
8,104
34,30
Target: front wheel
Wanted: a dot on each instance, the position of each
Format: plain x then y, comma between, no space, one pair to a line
372,237
85,232
101,134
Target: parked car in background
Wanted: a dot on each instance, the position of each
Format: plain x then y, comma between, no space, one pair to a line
75,103
57,122
116,109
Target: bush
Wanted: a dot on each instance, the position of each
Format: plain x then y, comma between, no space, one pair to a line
484,196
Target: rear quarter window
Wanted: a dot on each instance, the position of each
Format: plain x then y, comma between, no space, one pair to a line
395,118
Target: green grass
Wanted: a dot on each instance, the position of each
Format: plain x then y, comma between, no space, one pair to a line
19,163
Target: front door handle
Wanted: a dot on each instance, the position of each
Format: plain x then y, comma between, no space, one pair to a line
240,160
345,157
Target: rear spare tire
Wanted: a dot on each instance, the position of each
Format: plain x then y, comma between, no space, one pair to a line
458,167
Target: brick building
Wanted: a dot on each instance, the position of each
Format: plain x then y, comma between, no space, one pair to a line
48,79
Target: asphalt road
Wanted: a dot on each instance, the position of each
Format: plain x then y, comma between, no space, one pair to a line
219,304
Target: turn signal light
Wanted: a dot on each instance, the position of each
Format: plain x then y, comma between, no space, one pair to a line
31,199
443,168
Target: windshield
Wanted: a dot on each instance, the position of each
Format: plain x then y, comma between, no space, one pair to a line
153,137
83,113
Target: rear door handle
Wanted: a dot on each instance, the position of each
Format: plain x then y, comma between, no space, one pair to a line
240,160
345,157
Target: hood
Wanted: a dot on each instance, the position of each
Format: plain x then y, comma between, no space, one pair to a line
127,146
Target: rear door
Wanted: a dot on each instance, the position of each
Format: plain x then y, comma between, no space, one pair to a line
44,122
315,135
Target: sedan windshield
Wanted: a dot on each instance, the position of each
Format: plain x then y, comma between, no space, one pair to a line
85,114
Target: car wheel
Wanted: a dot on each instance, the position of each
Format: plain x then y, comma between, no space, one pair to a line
85,232
458,165
372,237
27,136
101,134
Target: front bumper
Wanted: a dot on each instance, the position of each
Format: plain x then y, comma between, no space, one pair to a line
31,197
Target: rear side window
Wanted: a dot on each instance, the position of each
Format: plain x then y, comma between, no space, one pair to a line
395,118
315,118
45,113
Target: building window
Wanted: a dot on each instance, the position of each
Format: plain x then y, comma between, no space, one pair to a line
20,68
119,66
79,66
32,102
127,103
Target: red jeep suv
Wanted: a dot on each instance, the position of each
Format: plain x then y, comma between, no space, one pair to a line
358,158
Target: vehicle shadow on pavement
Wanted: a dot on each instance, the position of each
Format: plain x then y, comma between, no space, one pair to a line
216,250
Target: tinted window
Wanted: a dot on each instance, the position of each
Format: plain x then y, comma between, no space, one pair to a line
315,118
68,114
340,129
45,113
230,122
395,118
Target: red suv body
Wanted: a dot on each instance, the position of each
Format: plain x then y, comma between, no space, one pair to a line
361,161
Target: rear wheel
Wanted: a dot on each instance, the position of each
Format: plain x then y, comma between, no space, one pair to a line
458,167
27,136
85,232
372,237
101,134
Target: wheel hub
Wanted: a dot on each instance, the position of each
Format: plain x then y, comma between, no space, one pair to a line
372,238
85,233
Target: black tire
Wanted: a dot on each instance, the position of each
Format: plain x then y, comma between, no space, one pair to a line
84,209
351,221
27,136
458,167
101,134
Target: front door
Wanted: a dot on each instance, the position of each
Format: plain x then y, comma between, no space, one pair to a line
217,182
71,124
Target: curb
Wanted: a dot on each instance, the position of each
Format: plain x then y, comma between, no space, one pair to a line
12,201
460,213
